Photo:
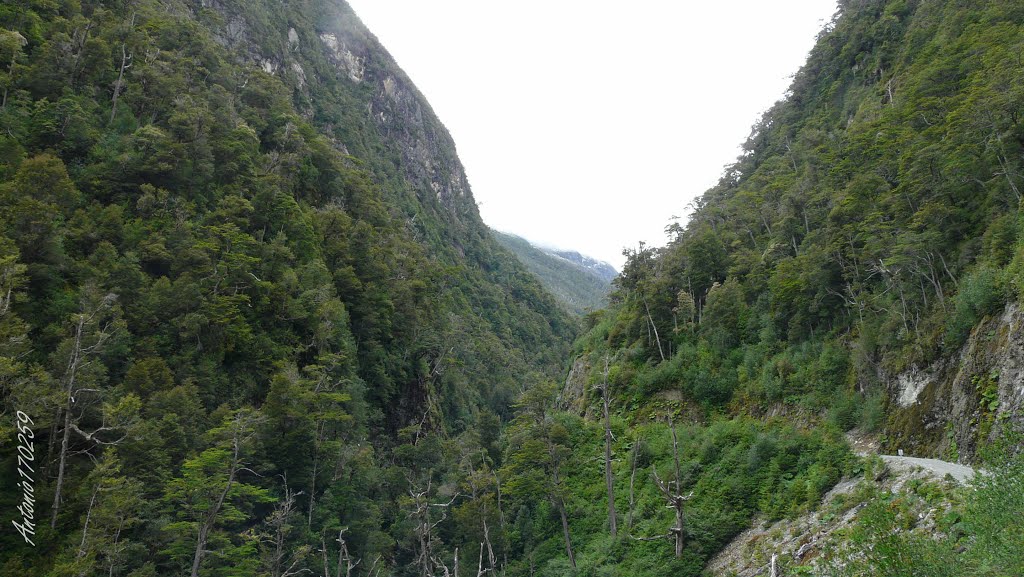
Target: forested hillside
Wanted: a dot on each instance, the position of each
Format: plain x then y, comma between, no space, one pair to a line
860,266
247,297
872,221
579,288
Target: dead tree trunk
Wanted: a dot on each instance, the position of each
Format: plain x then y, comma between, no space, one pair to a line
126,59
80,351
672,492
85,528
632,483
560,504
344,557
425,527
609,477
650,319
480,571
126,63
565,532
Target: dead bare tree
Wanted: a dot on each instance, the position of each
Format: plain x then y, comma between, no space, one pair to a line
480,571
650,319
672,492
93,329
560,505
276,547
425,526
674,495
126,63
632,481
609,476
344,556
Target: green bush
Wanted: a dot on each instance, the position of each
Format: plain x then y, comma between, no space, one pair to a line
846,411
980,294
1015,273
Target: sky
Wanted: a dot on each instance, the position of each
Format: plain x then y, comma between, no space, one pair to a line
589,124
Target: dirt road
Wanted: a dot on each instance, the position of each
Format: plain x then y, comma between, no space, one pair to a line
941,468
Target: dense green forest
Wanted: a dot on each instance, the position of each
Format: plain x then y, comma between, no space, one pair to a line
580,289
871,224
240,315
253,324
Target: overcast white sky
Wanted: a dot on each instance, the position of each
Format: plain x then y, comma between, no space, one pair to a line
589,124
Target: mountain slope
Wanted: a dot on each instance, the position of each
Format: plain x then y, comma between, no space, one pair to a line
579,282
860,266
872,221
248,295
598,268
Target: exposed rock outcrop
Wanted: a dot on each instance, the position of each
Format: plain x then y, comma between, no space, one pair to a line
953,406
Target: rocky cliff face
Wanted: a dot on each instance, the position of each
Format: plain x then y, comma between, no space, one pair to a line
400,113
350,86
955,406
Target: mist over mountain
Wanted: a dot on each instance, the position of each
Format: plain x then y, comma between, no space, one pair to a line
598,268
581,283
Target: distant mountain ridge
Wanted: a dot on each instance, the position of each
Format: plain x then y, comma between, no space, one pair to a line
598,268
578,281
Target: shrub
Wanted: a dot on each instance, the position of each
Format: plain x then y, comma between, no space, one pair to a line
980,294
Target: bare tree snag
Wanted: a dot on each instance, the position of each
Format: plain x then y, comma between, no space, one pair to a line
560,503
672,492
425,527
277,545
89,341
609,477
125,65
343,555
655,327
632,483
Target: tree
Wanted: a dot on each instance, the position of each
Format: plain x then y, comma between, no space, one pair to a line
11,45
609,476
17,385
425,525
35,203
83,374
480,515
278,557
115,507
209,492
539,447
674,498
723,316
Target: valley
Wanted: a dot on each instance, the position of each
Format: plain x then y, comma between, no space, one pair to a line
253,324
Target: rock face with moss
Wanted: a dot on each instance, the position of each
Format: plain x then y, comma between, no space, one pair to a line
966,400
383,119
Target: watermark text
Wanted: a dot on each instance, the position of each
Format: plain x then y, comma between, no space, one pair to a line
26,478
